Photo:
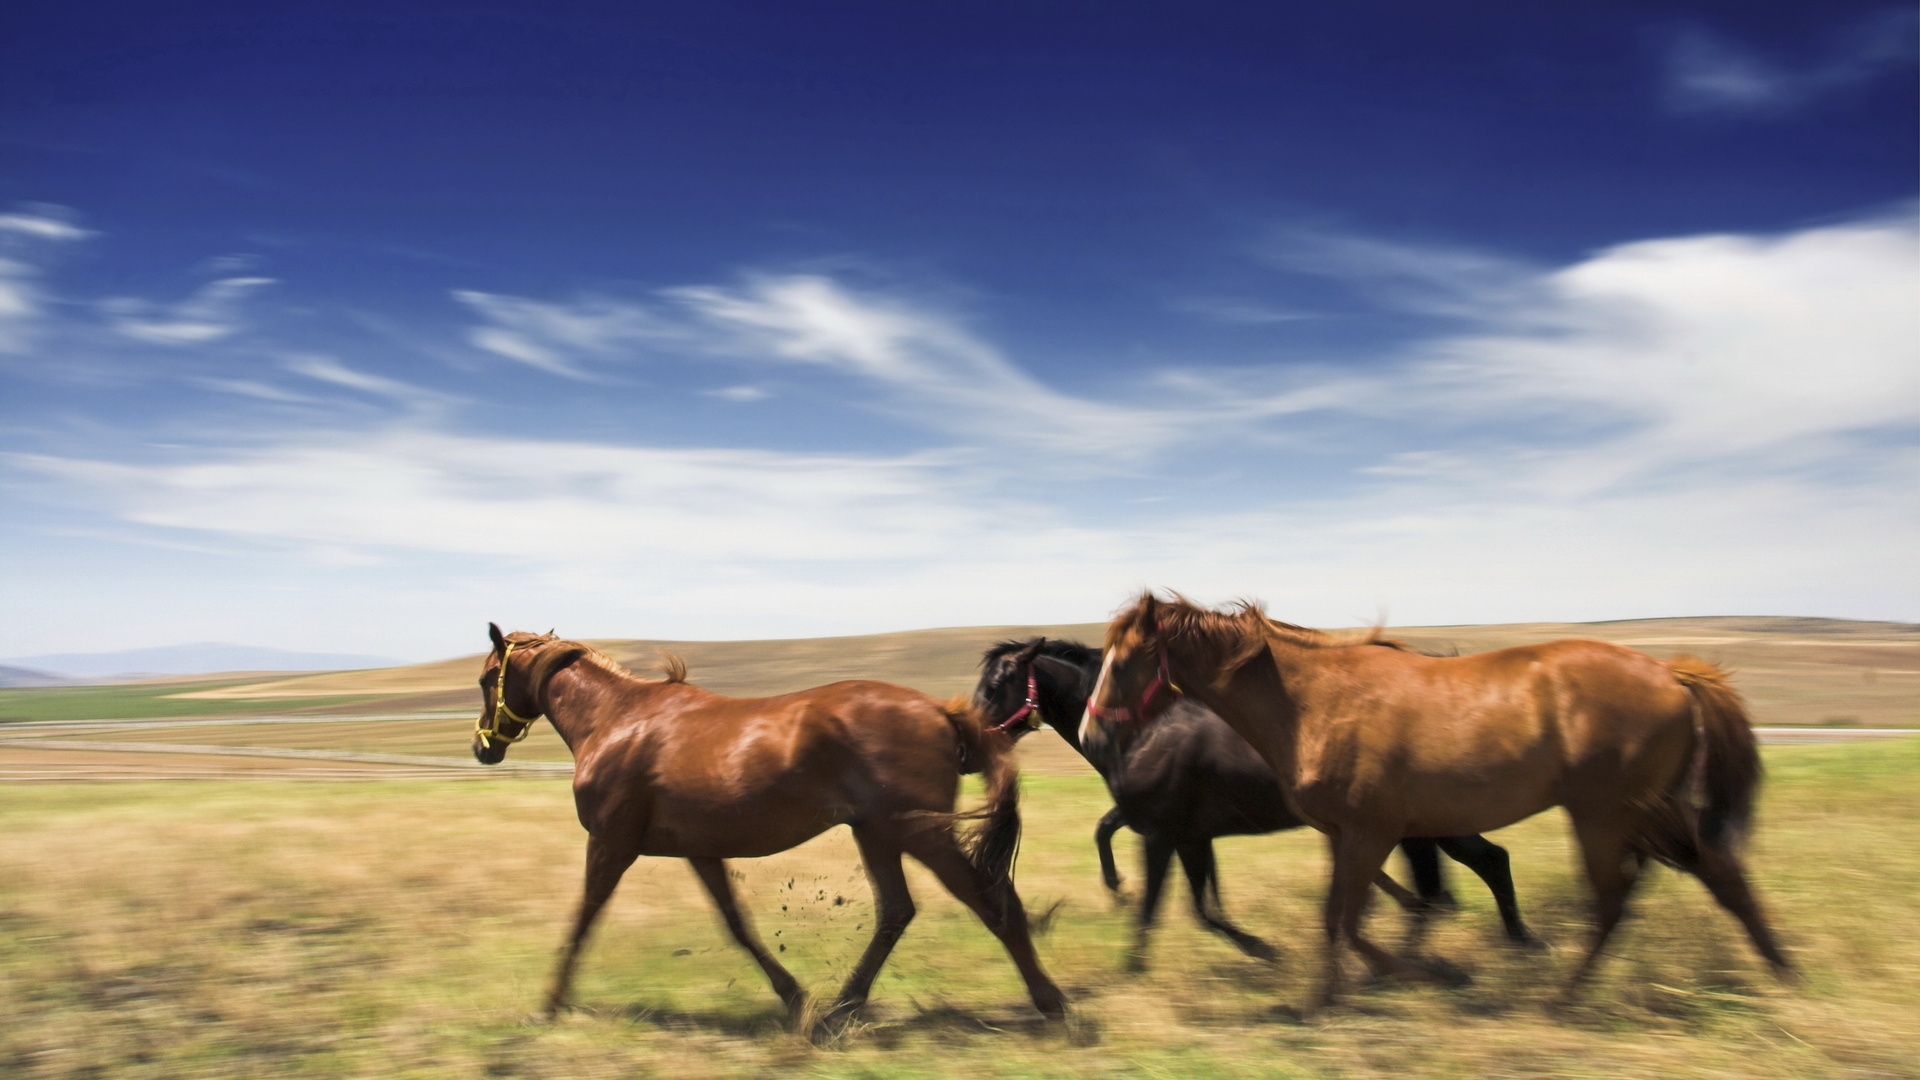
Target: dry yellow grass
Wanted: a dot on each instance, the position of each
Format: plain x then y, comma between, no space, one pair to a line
405,929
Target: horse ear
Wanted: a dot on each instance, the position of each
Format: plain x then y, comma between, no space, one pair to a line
1025,656
1149,612
499,639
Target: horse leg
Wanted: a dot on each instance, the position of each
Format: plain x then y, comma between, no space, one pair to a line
1719,869
606,862
1429,881
1357,858
713,874
997,905
893,910
1491,862
1103,843
1159,852
1423,858
1203,877
1608,855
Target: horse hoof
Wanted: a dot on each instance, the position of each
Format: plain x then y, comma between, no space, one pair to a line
1260,950
1525,940
826,1026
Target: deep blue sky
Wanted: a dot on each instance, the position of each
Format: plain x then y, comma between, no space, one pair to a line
1163,211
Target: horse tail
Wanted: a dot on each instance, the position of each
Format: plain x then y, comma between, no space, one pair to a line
993,841
1728,757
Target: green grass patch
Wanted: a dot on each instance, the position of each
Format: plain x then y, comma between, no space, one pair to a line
146,700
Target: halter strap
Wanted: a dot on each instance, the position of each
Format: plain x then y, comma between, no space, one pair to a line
1030,708
490,731
1162,680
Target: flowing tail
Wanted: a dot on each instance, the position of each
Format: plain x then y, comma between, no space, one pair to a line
994,840
1729,756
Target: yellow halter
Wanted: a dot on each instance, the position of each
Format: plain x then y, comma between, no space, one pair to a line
490,731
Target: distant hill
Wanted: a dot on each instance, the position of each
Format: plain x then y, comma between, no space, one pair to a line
196,659
19,676
1792,670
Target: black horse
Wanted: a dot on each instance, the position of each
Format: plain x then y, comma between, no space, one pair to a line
1189,778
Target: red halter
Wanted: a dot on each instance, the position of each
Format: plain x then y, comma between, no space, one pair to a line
1030,708
1162,680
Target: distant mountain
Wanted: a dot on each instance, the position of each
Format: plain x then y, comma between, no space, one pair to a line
19,676
194,659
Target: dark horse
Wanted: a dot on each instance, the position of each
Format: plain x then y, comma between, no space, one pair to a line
1188,779
662,767
1652,759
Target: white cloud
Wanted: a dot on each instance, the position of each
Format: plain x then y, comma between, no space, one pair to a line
927,368
19,304
536,501
210,314
40,226
328,370
554,337
252,388
20,295
1707,73
1710,346
739,393
1642,358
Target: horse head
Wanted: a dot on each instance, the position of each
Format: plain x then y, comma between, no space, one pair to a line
1134,685
1008,693
513,688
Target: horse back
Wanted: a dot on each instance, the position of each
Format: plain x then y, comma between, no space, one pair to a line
1508,732
735,777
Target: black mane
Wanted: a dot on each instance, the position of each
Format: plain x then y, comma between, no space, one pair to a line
1073,652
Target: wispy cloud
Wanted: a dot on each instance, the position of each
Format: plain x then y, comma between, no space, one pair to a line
926,366
21,231
539,501
1241,311
1708,73
325,369
210,314
559,338
43,225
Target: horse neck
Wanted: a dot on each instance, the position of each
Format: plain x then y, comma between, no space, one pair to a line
1061,698
574,695
1258,705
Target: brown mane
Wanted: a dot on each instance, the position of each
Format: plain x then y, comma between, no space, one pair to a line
1233,634
673,669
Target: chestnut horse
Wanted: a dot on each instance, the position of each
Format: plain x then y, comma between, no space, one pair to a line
662,767
1190,779
1374,743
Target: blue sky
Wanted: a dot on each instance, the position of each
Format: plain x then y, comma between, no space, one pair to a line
350,329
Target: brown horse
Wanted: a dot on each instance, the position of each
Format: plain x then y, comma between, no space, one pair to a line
1373,743
662,767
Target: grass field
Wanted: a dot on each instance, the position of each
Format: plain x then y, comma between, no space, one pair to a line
405,929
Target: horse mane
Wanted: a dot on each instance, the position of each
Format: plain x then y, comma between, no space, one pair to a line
674,669
1233,633
1073,652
